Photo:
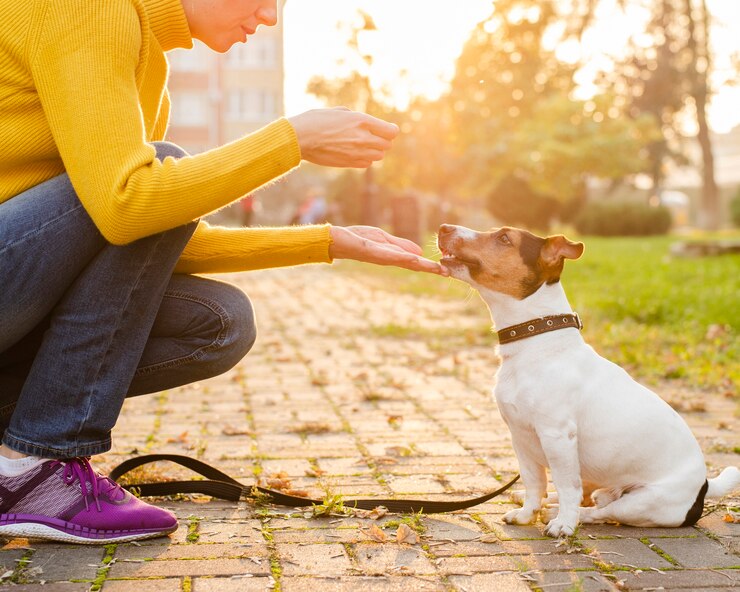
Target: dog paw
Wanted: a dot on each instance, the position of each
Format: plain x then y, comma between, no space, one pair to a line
559,528
547,515
517,497
603,497
519,516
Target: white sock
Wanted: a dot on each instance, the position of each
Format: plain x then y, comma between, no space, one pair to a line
12,467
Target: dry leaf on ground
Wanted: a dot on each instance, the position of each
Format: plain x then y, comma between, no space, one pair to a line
405,534
376,534
374,514
230,430
296,492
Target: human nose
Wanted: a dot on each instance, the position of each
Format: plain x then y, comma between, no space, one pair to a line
268,14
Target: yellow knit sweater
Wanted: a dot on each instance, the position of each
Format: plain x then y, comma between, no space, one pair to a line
83,90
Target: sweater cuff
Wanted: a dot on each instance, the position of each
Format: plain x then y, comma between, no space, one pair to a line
214,249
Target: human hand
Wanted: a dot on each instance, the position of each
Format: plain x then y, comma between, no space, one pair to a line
373,245
339,137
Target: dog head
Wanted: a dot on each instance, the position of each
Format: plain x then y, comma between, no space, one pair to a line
507,260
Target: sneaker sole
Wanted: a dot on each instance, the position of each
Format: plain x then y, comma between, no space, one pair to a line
26,527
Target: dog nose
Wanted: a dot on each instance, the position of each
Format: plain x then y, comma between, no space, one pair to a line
445,229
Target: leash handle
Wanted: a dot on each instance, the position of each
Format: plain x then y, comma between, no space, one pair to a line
220,485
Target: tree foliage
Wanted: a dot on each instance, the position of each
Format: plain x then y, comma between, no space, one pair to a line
516,118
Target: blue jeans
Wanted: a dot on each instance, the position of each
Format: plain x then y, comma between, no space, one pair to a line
85,324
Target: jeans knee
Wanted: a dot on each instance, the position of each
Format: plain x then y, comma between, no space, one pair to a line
241,330
165,149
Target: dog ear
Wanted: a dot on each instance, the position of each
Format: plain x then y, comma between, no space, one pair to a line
557,248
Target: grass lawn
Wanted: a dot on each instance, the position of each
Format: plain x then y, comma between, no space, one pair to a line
660,317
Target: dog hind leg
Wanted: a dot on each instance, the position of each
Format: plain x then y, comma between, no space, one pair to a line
642,506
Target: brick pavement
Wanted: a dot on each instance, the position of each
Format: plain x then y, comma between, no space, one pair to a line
353,391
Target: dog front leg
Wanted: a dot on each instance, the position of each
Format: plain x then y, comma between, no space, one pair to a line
535,487
561,449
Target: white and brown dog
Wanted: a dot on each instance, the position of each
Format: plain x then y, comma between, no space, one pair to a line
569,409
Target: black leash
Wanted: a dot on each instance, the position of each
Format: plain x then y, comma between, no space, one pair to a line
219,484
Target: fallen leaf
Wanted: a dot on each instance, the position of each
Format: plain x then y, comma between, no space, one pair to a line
405,534
315,472
374,514
376,534
230,430
395,421
731,517
296,492
488,538
279,484
182,439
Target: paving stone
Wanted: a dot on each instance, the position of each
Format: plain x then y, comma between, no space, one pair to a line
563,581
451,527
686,579
9,558
188,567
698,553
466,548
629,552
66,562
391,558
158,585
416,485
55,587
512,532
192,551
319,535
318,559
363,584
475,564
245,531
234,584
715,524
490,582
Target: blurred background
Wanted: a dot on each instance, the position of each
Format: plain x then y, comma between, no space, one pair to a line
607,116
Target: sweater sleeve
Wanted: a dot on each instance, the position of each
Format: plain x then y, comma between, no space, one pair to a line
216,249
86,62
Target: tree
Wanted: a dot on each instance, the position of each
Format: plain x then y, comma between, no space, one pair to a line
516,120
661,78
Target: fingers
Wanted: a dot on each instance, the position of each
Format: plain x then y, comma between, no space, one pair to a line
409,261
380,235
380,128
403,243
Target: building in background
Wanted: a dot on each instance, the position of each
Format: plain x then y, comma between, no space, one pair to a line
217,98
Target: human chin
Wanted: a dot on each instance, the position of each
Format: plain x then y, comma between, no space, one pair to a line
222,43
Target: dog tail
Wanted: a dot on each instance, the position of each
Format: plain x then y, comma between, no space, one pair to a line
724,483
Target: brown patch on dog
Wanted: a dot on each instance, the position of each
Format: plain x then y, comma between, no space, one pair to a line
509,260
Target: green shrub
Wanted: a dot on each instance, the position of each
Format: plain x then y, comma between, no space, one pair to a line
516,203
735,209
622,219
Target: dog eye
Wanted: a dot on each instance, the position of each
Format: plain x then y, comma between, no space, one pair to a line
504,239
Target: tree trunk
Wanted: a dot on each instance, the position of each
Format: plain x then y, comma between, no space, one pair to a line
709,214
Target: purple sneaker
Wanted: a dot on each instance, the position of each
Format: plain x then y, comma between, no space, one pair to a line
66,500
